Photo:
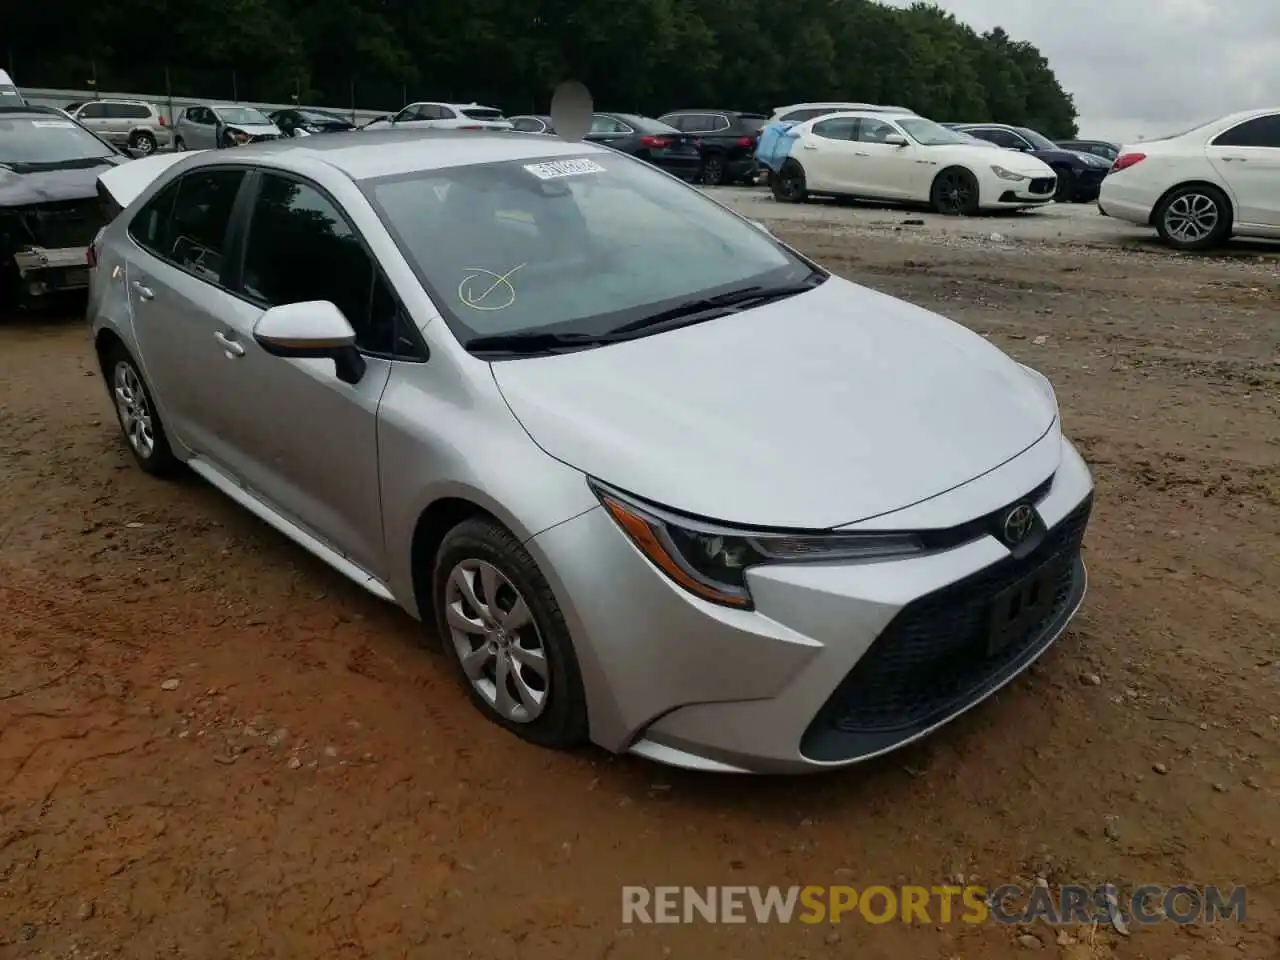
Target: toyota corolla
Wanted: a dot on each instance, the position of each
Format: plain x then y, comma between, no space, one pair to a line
658,481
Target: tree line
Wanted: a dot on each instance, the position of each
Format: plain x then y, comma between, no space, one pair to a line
647,56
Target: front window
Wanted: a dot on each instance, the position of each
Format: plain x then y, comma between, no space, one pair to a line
930,134
34,142
579,246
242,115
1036,140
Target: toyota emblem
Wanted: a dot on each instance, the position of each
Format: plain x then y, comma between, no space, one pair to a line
1018,523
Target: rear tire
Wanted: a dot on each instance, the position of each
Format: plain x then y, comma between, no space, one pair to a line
512,649
136,412
143,142
713,170
954,193
1194,217
789,184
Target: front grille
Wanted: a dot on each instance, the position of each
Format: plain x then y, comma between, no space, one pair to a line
58,225
933,657
1043,185
263,137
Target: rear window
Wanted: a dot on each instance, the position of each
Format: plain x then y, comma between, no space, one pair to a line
482,113
647,125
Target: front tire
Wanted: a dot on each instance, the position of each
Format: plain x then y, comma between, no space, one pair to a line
1066,189
501,626
955,193
136,412
1194,217
789,184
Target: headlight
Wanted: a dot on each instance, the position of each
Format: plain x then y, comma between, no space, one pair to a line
711,561
1004,174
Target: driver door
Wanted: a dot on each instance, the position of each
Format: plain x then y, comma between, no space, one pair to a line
306,442
884,169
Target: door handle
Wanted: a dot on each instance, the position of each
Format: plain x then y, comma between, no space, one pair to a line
809,146
1235,159
143,291
859,153
232,348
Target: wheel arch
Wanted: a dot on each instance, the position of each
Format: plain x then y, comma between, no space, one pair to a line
1195,182
433,524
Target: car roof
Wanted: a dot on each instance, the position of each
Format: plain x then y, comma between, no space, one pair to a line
369,154
866,115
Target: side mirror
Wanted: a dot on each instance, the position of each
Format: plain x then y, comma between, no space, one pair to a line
895,140
315,330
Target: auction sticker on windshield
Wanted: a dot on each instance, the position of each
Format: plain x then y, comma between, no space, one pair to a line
60,124
555,169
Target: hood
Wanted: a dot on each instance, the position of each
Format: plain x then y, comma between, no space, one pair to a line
820,410
255,129
50,186
125,182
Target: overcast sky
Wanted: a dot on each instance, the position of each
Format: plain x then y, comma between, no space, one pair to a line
1146,67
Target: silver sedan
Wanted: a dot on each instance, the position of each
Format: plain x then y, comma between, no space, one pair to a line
658,481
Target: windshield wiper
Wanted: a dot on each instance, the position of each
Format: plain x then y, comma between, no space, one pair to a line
721,303
533,342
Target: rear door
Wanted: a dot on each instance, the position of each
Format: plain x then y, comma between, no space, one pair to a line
829,155
119,122
1247,157
177,282
96,117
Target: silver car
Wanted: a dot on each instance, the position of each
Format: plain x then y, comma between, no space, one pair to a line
135,124
213,127
657,480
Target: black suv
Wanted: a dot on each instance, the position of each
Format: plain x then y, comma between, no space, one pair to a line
728,139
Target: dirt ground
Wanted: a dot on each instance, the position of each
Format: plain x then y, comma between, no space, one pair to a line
212,746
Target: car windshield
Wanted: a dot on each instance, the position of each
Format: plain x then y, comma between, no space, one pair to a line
579,246
928,133
321,116
242,115
1039,141
26,140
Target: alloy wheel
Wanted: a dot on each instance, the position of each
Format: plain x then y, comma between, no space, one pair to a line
134,410
955,193
497,640
1191,217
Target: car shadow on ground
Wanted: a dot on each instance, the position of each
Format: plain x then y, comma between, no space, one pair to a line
1236,249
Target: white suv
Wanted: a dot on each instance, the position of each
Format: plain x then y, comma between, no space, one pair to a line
127,123
450,116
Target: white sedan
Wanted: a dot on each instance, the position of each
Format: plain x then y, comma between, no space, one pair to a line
908,159
1200,187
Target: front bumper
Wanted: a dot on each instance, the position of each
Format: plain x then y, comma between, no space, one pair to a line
43,271
1020,193
838,662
